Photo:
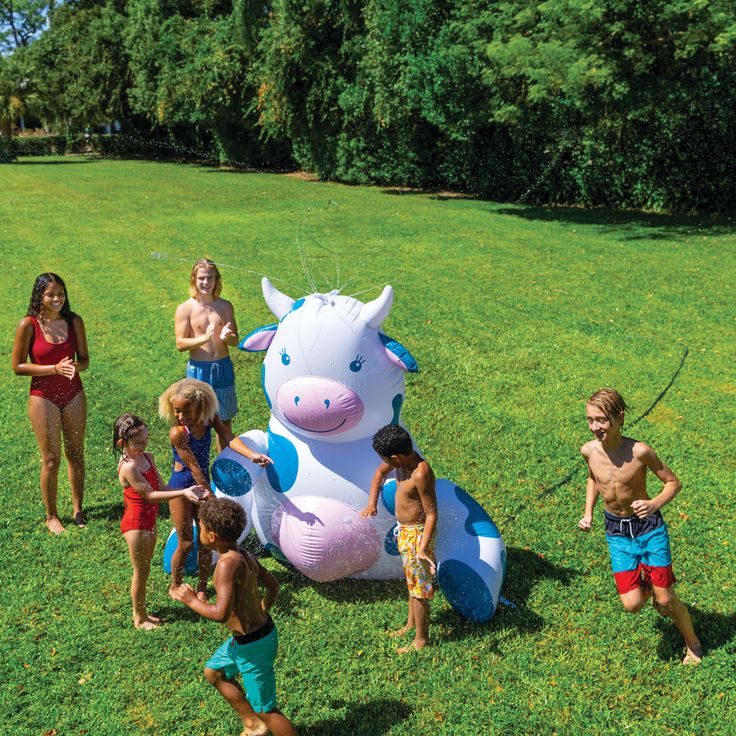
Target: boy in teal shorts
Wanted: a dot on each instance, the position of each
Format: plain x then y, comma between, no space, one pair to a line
251,650
635,530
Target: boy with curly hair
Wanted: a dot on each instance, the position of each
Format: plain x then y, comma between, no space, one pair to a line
251,650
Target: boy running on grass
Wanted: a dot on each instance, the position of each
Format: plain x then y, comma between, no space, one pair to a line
635,530
416,514
251,650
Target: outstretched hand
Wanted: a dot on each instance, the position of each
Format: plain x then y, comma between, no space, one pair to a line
260,459
184,593
65,367
368,511
197,494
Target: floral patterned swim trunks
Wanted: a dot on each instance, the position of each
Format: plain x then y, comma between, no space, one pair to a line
418,575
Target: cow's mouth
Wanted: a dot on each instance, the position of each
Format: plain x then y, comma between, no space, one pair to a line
316,431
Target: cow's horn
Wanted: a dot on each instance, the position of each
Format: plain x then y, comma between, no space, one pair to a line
277,302
376,311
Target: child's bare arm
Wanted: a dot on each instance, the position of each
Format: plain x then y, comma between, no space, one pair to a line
425,485
672,485
591,496
235,443
132,476
376,484
270,585
178,439
221,609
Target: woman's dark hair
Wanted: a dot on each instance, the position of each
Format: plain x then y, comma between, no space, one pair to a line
39,287
125,426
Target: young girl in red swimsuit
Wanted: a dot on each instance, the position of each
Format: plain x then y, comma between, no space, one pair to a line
143,489
51,346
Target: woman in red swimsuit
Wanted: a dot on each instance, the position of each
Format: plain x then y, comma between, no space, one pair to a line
143,489
51,346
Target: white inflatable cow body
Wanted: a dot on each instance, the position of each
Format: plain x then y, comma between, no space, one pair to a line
331,380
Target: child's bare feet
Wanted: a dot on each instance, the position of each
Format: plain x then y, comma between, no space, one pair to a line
155,619
693,655
256,728
146,624
54,525
80,519
416,645
399,632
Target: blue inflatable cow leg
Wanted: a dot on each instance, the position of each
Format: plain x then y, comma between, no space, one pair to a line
190,564
471,556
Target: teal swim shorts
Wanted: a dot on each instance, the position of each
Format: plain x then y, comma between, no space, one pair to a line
254,661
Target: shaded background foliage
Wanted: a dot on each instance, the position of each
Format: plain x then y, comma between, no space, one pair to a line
618,102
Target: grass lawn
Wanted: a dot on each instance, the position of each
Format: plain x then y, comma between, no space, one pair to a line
515,315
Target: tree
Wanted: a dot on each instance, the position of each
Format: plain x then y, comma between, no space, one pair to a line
21,21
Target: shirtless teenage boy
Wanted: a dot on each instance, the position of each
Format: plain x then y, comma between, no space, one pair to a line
251,650
635,530
205,326
416,514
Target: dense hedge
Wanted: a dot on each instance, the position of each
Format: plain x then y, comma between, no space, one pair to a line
595,102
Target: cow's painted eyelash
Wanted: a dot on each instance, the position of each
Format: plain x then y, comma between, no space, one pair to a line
357,364
285,359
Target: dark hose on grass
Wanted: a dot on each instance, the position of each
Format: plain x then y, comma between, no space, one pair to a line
567,478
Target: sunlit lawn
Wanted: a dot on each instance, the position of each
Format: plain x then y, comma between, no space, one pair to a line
515,314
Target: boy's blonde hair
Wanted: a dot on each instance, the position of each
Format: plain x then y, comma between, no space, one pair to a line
205,263
609,401
199,392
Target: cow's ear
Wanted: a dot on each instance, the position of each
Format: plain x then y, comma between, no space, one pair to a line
398,354
259,339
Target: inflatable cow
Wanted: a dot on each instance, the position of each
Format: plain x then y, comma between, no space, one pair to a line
332,379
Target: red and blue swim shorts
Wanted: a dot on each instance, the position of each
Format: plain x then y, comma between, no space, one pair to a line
640,549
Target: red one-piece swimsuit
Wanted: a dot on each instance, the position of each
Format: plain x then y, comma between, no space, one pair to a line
139,513
56,388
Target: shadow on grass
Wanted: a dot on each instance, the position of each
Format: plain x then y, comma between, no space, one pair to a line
372,718
41,161
713,629
628,224
346,590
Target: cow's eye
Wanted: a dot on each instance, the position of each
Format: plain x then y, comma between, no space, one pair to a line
357,364
285,359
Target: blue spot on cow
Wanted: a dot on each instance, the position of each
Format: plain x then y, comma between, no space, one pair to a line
388,496
396,403
391,542
282,474
263,385
190,564
478,523
466,591
231,477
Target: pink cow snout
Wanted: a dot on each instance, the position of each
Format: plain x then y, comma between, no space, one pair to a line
319,405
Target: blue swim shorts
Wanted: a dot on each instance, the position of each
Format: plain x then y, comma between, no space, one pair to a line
254,661
221,376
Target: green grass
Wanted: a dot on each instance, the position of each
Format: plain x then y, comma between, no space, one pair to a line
515,314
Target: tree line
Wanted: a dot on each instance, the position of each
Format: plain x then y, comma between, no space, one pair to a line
598,102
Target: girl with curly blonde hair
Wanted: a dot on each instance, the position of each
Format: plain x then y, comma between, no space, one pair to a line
191,408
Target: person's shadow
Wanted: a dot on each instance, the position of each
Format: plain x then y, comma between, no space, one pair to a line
713,629
372,719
